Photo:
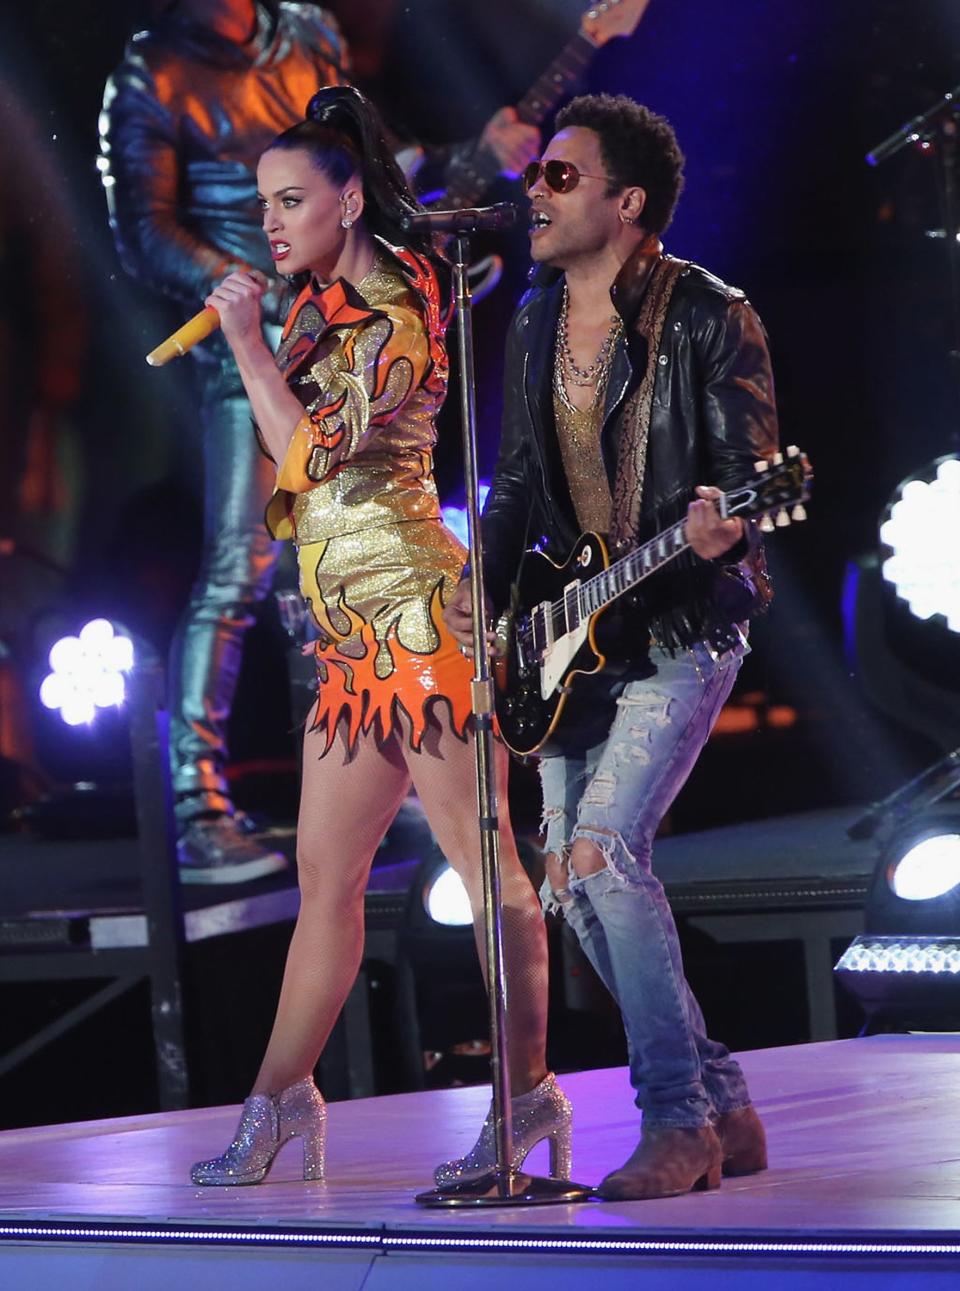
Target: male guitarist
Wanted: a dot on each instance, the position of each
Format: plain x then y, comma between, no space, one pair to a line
631,378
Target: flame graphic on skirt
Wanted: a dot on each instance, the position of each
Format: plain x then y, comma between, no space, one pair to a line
382,675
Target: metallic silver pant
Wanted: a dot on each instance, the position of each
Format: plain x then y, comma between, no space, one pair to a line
236,572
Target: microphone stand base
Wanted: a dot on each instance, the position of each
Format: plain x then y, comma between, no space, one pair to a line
506,1189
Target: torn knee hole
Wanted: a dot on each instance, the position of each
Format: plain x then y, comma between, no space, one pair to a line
587,857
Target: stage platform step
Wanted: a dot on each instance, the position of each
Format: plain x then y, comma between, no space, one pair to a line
864,1179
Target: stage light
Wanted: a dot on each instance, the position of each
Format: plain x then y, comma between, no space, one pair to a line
903,983
922,532
445,898
928,869
455,518
916,884
87,672
447,1005
901,607
901,955
904,970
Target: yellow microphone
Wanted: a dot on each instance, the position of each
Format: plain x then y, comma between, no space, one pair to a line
186,337
196,329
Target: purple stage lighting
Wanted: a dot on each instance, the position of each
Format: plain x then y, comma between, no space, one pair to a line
455,518
87,672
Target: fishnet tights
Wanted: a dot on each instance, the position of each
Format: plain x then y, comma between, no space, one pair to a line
346,805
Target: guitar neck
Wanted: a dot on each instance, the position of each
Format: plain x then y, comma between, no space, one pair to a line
625,573
553,620
558,79
471,181
778,483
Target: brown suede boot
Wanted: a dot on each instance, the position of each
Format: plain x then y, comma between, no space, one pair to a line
667,1162
744,1142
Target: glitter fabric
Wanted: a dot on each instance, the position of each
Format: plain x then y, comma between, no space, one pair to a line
268,1122
371,375
543,1113
367,675
356,493
578,431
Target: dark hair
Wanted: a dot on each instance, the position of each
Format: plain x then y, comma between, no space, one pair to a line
638,148
344,136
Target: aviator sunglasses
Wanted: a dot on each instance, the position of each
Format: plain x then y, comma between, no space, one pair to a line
559,176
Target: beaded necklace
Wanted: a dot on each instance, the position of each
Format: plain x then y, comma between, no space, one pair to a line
599,370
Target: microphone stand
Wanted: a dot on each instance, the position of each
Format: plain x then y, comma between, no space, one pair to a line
947,172
501,1186
934,133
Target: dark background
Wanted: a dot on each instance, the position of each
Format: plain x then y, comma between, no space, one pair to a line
775,105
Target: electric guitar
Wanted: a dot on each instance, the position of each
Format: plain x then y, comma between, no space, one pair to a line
549,639
602,22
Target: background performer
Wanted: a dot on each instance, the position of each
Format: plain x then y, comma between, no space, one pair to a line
197,98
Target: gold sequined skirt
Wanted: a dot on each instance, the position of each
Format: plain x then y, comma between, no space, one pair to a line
377,597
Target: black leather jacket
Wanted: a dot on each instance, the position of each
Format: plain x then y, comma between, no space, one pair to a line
185,118
713,415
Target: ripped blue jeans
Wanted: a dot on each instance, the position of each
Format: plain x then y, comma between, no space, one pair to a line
616,794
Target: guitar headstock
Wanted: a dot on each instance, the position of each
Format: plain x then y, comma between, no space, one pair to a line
611,18
782,482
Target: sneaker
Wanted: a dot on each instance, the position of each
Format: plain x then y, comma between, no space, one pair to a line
216,851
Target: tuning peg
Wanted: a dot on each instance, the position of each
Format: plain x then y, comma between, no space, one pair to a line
766,525
798,513
761,467
782,519
792,450
777,459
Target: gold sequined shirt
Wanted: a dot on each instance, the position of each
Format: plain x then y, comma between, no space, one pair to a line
578,432
369,366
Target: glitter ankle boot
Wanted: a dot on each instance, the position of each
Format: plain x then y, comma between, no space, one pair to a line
543,1113
268,1122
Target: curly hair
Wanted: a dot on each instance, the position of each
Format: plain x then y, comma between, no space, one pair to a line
638,148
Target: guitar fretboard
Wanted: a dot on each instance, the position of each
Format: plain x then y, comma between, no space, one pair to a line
625,573
776,486
562,74
471,181
554,619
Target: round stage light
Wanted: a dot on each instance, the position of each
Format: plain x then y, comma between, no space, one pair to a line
922,530
87,672
927,870
445,899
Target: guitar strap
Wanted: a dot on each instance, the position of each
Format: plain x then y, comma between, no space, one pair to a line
635,430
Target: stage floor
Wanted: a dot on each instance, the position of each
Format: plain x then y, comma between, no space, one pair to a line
864,1140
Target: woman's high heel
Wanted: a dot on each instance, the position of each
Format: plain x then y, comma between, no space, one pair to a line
268,1122
543,1113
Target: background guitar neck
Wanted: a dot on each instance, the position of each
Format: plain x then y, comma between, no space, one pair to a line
559,78
471,180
